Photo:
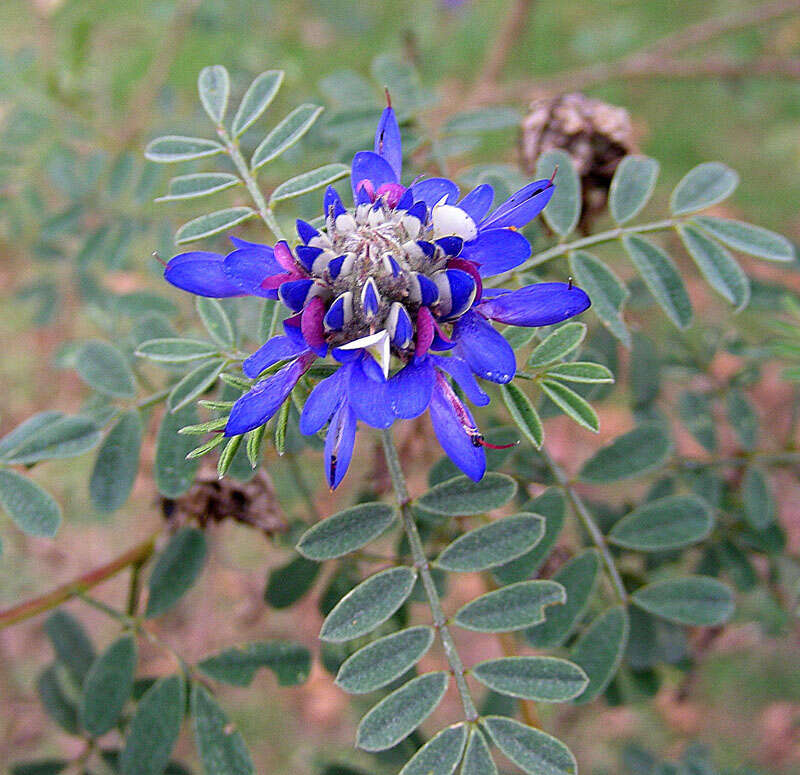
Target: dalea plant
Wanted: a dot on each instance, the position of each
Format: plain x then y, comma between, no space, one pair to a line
404,297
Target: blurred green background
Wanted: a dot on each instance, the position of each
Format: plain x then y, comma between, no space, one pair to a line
83,82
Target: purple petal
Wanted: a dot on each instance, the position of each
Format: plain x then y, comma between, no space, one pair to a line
488,354
323,402
477,202
369,166
410,389
279,348
432,190
496,251
452,435
201,273
387,141
249,267
460,371
265,398
339,444
369,399
540,304
521,207
311,326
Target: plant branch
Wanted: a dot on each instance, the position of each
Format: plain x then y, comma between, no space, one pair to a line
79,586
579,507
423,566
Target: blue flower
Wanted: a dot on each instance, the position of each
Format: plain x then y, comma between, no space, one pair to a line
386,288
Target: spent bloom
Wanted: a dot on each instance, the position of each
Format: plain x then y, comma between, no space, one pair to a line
391,288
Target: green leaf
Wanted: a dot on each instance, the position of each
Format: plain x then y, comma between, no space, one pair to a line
747,238
523,413
462,496
176,350
117,463
288,583
214,87
104,368
384,660
551,505
33,509
477,757
172,148
543,679
558,345
532,750
743,418
645,372
65,437
57,703
212,223
309,181
216,321
573,405
108,686
285,134
564,209
600,649
705,185
759,504
632,454
256,100
371,603
513,607
25,430
580,371
696,414
606,290
39,767
578,577
667,523
70,643
631,187
194,384
717,265
346,531
221,747
441,754
198,184
494,544
699,601
661,278
174,474
176,570
400,713
238,665
483,120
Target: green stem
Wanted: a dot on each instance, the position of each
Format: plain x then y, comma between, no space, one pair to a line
232,146
589,524
424,568
767,458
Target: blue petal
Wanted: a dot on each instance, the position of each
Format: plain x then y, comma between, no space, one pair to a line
238,242
462,291
488,354
496,251
306,255
477,202
432,190
264,399
540,304
333,200
249,267
294,293
369,166
460,371
279,348
428,248
306,231
387,141
428,289
406,200
201,273
418,210
521,207
453,437
339,444
369,399
410,389
323,402
450,245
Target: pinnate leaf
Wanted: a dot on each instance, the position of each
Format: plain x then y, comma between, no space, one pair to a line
104,368
536,752
753,240
694,600
172,148
117,463
32,508
543,679
441,754
666,523
285,134
631,187
564,209
513,607
523,413
600,649
462,496
214,86
703,186
557,345
220,745
631,454
256,100
212,223
309,181
108,686
346,531
176,570
238,665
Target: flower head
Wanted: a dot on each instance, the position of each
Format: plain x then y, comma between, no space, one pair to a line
384,288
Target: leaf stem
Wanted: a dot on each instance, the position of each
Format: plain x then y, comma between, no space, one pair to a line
232,147
423,566
79,586
589,524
